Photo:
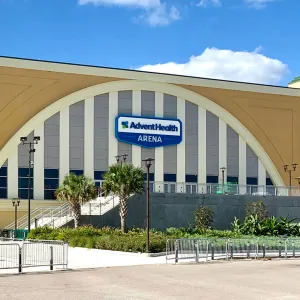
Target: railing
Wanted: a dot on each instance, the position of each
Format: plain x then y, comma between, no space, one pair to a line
196,250
31,253
226,189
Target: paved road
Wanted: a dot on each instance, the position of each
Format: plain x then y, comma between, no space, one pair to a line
240,280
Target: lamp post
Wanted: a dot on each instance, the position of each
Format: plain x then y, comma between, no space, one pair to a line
16,203
148,163
223,178
121,158
31,151
290,170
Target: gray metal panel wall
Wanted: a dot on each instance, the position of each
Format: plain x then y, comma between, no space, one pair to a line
23,155
232,152
191,138
212,144
51,142
125,108
148,110
101,113
252,163
170,153
77,136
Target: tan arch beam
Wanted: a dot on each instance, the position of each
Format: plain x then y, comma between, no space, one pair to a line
137,85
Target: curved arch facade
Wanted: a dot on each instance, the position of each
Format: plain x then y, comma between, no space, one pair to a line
77,130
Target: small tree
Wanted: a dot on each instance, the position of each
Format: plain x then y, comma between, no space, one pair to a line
76,190
123,180
203,217
257,209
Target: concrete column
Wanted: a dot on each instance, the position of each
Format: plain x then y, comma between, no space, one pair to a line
201,150
89,137
136,111
159,152
12,175
39,158
112,141
180,176
64,143
222,149
242,166
262,175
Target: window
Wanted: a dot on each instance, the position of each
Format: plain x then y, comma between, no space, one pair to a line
3,172
3,193
170,177
212,179
98,175
269,181
233,179
77,172
191,178
51,183
3,182
23,193
51,173
23,183
151,176
23,172
251,181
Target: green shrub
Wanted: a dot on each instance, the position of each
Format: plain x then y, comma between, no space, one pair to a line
203,217
257,209
272,226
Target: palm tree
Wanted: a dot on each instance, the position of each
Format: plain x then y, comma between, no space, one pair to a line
123,180
76,190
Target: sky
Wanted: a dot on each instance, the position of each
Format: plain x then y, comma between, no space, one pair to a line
243,40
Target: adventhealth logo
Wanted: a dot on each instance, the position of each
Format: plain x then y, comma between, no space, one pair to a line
156,126
125,125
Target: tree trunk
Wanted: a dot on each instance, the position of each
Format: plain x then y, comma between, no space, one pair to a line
76,214
123,224
123,213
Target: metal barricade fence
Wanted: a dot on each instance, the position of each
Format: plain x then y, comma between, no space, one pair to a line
271,247
222,248
44,253
189,249
292,247
32,253
242,248
9,255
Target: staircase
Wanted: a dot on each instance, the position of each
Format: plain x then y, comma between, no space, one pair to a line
61,215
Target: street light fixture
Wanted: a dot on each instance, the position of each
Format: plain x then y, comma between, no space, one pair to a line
223,178
148,163
31,151
298,178
290,170
16,203
122,156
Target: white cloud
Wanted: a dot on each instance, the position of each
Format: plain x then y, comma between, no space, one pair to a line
205,3
258,4
227,64
161,16
135,3
156,13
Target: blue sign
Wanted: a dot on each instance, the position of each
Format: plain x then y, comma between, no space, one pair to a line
148,132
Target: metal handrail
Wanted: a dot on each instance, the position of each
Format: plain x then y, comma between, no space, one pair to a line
42,214
24,219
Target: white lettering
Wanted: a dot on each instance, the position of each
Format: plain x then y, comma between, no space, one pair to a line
149,138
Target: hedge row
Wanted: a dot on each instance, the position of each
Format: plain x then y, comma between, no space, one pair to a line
113,239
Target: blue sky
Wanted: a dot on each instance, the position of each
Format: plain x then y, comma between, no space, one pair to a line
245,40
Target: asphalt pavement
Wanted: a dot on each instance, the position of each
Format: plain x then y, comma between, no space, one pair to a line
236,280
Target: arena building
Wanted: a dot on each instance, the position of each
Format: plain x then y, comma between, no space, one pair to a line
199,131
